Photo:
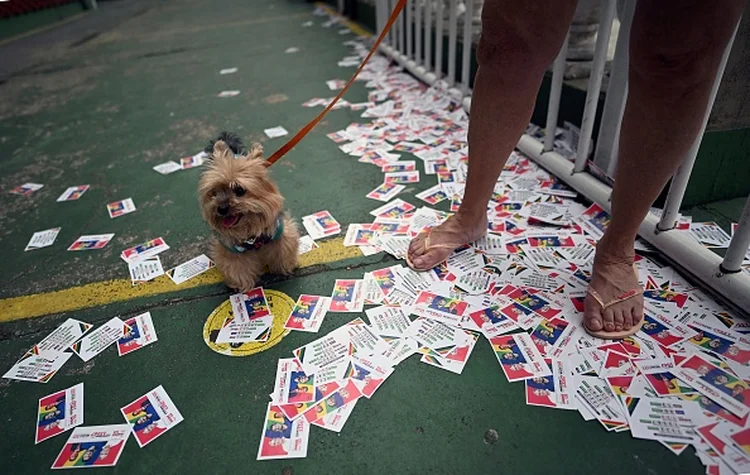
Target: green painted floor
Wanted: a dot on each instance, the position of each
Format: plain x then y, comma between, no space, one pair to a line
103,113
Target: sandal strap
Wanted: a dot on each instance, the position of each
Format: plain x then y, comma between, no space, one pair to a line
428,247
626,296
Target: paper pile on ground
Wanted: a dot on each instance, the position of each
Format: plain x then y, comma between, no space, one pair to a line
681,380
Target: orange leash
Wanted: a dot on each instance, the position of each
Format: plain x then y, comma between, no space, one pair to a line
306,129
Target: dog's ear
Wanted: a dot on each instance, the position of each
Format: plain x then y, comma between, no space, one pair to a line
221,149
233,141
256,151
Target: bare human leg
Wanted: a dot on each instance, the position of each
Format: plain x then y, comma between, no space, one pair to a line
520,38
675,49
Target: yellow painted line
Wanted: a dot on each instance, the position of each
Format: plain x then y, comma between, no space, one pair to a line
43,28
160,34
118,290
355,27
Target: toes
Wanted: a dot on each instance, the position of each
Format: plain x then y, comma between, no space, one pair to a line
609,320
619,319
416,246
638,314
592,317
627,324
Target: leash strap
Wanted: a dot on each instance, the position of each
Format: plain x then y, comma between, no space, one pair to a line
306,129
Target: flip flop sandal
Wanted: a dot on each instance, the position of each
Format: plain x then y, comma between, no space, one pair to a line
427,248
614,335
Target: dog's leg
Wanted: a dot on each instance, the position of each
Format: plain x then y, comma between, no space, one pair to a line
240,270
283,256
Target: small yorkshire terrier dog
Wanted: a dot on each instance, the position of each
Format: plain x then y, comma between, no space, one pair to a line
244,208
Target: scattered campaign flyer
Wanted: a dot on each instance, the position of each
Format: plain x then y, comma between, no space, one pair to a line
433,195
281,437
144,250
234,331
93,446
228,93
668,420
42,239
193,161
275,132
335,421
292,385
144,270
335,84
710,234
401,166
321,224
347,296
91,241
595,396
141,333
61,338
492,322
446,309
386,191
436,335
308,313
393,209
360,235
338,399
518,357
368,374
100,339
717,384
306,244
455,360
59,412
323,351
151,415
26,189
73,193
37,367
167,167
251,305
362,339
188,270
120,208
388,321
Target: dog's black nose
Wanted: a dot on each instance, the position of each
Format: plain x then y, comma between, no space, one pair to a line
223,210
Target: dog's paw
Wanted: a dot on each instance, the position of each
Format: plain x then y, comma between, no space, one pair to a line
240,285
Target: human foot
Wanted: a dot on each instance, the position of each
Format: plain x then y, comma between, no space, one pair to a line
433,246
614,302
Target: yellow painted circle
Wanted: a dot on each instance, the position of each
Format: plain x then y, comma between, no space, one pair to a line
281,306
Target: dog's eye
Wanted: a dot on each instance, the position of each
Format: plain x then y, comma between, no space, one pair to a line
238,190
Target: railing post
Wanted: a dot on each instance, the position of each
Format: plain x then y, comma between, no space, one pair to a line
418,33
466,56
409,30
401,31
452,39
428,35
740,243
439,20
681,177
595,84
608,142
555,91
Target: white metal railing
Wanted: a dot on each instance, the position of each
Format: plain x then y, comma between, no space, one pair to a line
722,276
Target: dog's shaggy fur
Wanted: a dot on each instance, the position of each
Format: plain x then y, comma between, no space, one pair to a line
239,202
